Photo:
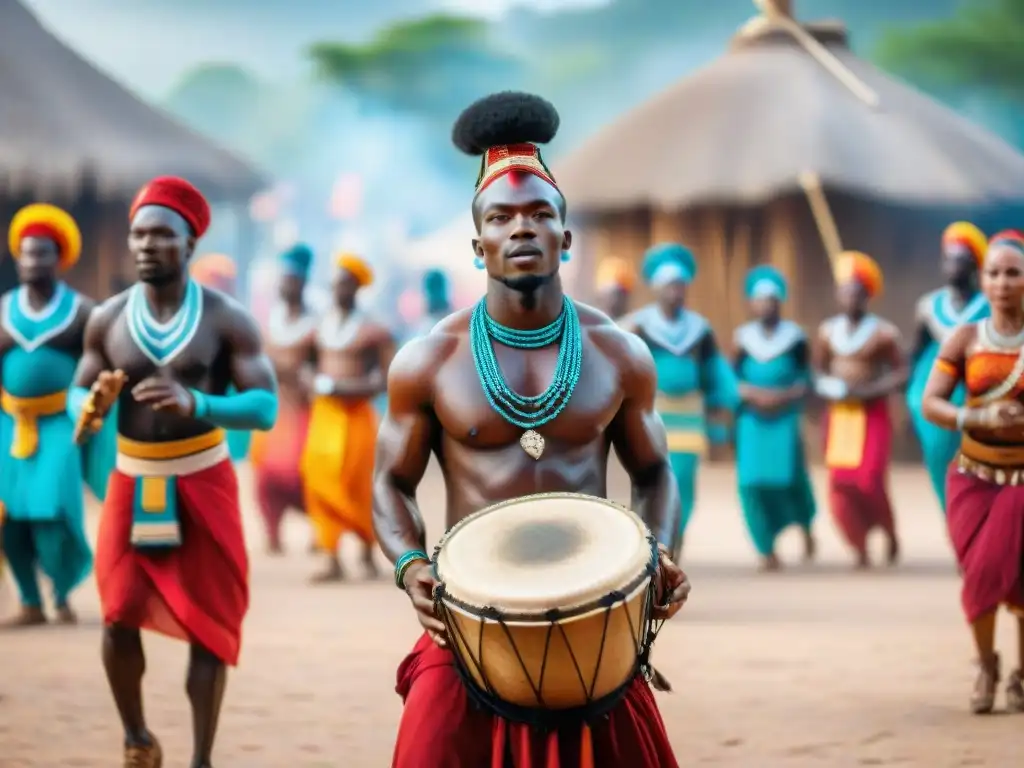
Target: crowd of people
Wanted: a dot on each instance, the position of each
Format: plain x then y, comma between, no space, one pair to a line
150,397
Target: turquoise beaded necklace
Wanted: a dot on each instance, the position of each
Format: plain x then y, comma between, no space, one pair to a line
525,412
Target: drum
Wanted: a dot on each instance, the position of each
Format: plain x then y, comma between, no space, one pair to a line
548,603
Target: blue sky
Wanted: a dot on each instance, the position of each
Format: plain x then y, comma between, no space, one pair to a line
148,43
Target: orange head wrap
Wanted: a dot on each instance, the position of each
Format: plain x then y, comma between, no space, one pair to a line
357,267
178,195
214,270
857,266
45,220
616,272
969,236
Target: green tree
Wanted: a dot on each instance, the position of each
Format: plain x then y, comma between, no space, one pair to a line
427,66
981,46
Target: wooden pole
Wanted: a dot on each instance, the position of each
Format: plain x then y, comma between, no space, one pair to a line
827,230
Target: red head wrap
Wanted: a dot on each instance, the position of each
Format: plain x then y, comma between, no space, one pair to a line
178,195
1010,236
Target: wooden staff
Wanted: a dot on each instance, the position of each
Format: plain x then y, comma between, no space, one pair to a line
110,384
826,223
819,52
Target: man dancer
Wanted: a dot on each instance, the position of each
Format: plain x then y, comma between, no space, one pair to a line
437,293
353,355
859,364
170,554
217,271
42,324
773,369
616,280
696,385
291,345
436,406
939,313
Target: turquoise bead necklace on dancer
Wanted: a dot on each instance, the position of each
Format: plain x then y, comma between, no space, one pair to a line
527,412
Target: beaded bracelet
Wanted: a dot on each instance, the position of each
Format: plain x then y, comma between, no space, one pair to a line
403,563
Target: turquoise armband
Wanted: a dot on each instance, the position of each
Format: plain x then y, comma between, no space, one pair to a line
76,399
252,409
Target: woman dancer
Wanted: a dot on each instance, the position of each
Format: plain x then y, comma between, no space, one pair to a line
985,486
773,368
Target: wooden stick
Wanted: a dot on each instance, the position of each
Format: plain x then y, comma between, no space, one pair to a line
823,55
827,230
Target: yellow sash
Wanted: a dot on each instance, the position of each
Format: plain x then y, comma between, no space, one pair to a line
26,412
847,435
153,492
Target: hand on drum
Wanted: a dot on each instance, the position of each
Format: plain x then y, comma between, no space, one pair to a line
420,584
674,587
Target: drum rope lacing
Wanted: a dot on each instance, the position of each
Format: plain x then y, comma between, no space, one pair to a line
643,637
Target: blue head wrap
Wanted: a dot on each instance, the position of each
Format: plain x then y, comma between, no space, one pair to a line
436,287
297,260
766,282
667,263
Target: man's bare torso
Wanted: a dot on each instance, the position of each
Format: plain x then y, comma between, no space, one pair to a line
348,348
854,356
291,345
479,451
204,365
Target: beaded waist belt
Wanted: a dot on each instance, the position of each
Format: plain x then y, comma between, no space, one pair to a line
1000,464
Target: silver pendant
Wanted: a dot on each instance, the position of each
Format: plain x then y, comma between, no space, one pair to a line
532,443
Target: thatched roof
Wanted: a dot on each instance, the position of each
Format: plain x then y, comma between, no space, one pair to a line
743,129
61,118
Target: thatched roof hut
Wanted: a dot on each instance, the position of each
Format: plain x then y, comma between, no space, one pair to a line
784,150
72,136
737,160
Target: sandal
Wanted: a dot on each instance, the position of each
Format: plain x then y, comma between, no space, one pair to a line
1015,692
984,697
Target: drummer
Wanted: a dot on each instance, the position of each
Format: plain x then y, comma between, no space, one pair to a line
489,453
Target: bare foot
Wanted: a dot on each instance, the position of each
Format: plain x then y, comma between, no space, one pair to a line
770,564
144,755
66,616
331,573
810,547
893,555
28,617
863,562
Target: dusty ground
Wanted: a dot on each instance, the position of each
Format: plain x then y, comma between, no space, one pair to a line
813,667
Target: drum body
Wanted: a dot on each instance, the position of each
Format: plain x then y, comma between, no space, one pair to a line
548,600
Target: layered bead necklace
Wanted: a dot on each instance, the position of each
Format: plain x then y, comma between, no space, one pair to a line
525,412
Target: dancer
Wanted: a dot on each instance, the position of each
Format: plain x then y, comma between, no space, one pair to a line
353,355
773,367
696,386
939,313
42,323
859,364
985,485
217,271
170,554
291,346
437,291
616,280
436,406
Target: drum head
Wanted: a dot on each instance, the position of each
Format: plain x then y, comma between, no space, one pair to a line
542,552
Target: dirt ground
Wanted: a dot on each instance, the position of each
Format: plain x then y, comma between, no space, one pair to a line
815,666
